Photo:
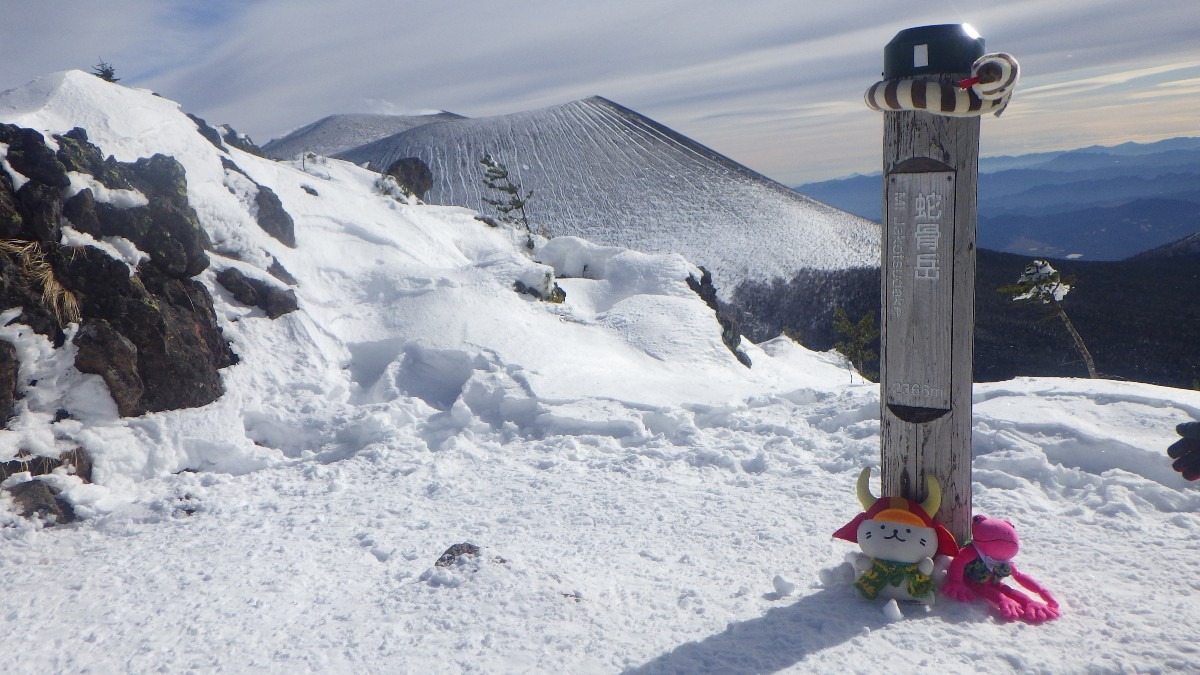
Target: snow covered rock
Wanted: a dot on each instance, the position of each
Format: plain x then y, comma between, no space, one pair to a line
147,329
37,499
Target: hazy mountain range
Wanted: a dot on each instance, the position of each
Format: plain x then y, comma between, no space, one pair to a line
1094,203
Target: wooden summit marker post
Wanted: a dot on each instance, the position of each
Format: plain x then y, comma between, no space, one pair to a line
930,168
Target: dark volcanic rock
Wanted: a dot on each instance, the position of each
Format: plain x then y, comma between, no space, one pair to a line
240,141
412,174
210,134
224,137
42,210
29,156
105,352
280,272
180,346
80,462
9,366
37,499
731,336
172,235
455,552
165,325
11,220
268,210
151,335
16,290
80,211
272,217
76,153
271,299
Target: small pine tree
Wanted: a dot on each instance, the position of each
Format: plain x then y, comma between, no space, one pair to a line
860,337
105,71
510,205
1041,284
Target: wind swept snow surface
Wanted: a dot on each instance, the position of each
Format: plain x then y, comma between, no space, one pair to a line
642,502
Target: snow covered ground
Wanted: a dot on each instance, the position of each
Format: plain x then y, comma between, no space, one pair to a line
643,502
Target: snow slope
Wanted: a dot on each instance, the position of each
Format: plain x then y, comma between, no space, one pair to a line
603,172
335,133
644,503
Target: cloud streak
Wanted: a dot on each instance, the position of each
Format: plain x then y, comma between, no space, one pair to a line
775,84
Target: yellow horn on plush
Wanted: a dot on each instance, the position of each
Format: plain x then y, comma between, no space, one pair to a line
934,501
864,490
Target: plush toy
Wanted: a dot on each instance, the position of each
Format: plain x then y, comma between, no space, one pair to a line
899,539
980,567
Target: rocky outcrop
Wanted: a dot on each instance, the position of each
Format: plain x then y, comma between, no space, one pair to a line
150,332
730,335
177,346
413,175
225,137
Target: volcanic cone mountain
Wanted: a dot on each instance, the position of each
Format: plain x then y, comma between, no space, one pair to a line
608,174
335,133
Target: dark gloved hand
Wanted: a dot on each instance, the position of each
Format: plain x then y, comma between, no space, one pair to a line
1186,451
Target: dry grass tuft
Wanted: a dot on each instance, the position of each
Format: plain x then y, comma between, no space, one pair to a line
33,265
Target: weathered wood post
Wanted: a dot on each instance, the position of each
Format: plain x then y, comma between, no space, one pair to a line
930,167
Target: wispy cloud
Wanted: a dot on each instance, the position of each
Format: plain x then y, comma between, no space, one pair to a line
775,84
1082,85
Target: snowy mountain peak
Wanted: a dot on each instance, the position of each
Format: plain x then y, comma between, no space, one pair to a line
335,133
601,171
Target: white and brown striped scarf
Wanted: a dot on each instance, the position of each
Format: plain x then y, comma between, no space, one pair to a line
993,78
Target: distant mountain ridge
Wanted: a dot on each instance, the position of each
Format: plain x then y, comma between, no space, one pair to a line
335,133
1098,203
601,171
1139,317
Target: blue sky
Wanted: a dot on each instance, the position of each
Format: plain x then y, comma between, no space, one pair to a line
774,84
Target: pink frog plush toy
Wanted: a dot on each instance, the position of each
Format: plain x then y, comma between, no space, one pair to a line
981,566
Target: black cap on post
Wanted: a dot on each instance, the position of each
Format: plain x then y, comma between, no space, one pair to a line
932,50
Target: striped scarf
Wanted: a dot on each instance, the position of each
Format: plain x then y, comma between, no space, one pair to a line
969,98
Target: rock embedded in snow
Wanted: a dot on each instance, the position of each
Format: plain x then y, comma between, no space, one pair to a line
412,174
259,293
36,499
453,554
